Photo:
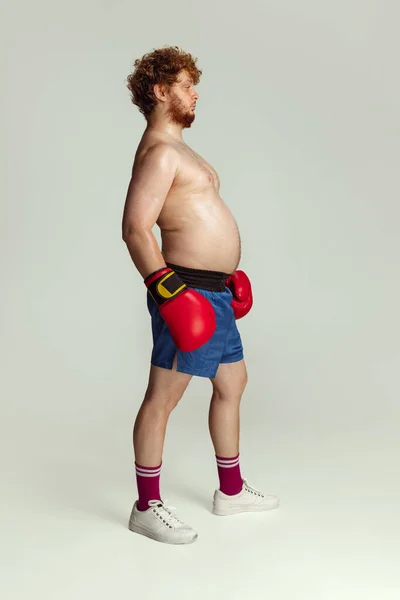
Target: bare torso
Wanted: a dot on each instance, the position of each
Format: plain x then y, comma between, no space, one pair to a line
197,228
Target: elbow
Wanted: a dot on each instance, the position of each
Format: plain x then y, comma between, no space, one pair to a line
131,231
127,231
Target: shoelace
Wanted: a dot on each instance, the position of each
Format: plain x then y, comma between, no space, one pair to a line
165,512
252,489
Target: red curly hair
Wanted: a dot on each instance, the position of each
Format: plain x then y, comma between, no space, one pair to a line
160,66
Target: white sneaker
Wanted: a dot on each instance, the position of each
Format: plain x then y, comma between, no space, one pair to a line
247,500
158,523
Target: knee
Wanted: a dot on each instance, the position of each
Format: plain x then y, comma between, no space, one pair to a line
160,404
242,383
230,392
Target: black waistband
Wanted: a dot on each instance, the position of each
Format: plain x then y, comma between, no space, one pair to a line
214,281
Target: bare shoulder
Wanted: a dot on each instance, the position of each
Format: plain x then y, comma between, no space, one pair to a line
153,153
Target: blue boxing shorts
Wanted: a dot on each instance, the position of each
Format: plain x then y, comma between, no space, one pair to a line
225,346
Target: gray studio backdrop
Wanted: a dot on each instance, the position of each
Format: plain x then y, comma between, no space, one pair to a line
298,112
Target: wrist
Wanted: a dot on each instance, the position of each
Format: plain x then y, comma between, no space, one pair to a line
164,285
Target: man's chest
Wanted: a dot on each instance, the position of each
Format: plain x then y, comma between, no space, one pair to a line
194,169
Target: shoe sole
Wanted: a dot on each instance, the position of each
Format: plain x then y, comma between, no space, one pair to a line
226,512
136,528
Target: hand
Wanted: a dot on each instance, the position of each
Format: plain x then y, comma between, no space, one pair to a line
242,300
190,317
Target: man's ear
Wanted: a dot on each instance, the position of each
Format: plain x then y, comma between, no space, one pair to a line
160,92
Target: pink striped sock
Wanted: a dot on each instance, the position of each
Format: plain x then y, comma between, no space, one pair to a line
230,479
148,484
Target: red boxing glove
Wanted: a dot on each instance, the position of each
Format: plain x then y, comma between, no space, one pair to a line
190,317
242,300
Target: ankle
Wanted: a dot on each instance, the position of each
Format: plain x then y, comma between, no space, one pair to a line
148,484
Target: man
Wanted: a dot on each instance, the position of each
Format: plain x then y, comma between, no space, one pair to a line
194,292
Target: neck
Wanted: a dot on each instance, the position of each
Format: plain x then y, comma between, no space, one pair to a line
161,124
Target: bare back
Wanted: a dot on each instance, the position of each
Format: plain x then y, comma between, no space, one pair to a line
197,228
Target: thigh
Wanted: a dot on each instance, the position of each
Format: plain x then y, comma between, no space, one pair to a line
167,386
231,379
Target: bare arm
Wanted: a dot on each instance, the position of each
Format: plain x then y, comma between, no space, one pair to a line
152,177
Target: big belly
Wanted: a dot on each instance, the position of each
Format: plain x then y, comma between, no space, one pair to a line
215,248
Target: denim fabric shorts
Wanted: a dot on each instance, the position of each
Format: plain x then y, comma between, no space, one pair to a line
225,346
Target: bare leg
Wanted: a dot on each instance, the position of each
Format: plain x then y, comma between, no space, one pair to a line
164,391
156,521
224,415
